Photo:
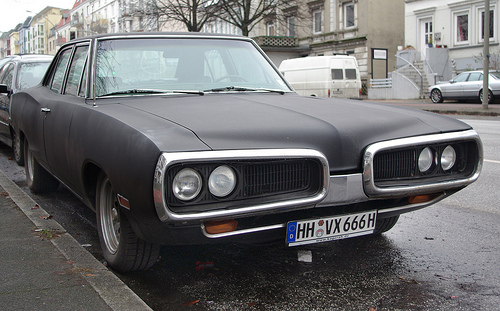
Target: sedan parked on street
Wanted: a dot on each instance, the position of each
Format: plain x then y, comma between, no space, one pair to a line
466,86
177,138
19,72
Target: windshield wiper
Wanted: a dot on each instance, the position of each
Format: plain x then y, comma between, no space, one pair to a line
152,91
135,91
194,92
244,89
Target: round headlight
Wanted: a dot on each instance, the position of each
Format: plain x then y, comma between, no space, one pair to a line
425,160
222,181
448,158
186,184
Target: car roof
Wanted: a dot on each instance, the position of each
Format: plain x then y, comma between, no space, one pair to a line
480,71
159,35
32,57
28,58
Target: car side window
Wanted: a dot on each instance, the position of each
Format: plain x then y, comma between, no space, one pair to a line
475,76
76,69
461,77
59,71
7,75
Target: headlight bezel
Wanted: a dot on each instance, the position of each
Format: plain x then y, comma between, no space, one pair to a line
381,180
243,199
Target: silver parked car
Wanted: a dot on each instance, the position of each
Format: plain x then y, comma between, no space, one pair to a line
17,73
466,86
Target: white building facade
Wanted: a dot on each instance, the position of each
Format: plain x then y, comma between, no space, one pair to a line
455,25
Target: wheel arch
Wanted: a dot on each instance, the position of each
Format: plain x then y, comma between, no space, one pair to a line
91,173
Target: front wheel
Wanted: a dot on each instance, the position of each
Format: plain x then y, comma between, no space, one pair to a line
37,178
436,96
385,224
122,249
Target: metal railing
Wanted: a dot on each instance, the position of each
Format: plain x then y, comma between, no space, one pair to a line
419,73
381,83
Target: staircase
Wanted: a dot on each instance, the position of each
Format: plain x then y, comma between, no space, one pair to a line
412,73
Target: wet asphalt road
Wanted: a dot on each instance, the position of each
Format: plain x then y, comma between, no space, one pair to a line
443,257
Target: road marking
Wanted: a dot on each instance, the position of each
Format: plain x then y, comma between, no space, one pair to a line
492,161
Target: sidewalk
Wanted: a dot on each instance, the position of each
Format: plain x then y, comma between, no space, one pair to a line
448,107
43,268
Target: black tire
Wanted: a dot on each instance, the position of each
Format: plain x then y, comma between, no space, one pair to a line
436,96
18,148
490,96
122,249
385,224
37,178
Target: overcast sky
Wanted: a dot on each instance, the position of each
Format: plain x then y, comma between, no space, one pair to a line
13,12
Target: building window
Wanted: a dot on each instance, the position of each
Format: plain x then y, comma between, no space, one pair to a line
270,29
317,21
428,33
290,23
349,15
462,28
492,25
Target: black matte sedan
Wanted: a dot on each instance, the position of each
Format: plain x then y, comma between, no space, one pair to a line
196,138
17,73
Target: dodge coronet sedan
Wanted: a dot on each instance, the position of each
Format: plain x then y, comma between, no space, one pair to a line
195,138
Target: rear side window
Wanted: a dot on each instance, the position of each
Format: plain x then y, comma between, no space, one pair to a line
337,74
59,70
350,74
75,70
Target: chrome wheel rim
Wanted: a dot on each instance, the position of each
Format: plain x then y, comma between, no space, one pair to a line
436,97
29,165
109,217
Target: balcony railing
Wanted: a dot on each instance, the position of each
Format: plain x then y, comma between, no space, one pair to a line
276,41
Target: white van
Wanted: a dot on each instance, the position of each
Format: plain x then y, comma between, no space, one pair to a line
323,76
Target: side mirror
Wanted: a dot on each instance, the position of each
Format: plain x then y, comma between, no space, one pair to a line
4,89
452,81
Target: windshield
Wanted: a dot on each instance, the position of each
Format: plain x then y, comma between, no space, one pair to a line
30,74
180,65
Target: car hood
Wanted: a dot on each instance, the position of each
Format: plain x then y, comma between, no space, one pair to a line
340,129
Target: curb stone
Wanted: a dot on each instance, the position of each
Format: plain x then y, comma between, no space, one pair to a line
110,288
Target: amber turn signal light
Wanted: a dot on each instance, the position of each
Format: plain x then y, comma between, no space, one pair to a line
223,226
422,198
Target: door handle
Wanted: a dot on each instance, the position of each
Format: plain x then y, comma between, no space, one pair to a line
46,110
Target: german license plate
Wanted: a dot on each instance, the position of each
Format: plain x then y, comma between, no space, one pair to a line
329,229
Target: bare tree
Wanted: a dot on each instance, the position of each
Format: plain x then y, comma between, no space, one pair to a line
245,14
192,13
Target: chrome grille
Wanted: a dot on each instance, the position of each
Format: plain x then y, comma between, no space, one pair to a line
395,164
275,178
